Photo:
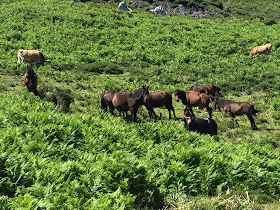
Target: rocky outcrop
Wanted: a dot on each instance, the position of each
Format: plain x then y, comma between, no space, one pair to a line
165,8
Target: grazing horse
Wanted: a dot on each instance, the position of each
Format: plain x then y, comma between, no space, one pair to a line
238,108
193,99
158,99
209,89
125,102
200,125
30,80
106,101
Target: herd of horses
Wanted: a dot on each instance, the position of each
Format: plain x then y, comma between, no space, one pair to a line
195,96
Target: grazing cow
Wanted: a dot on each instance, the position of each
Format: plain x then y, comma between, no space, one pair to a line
30,80
200,125
263,49
209,89
30,56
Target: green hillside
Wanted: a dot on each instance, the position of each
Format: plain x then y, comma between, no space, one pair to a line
55,157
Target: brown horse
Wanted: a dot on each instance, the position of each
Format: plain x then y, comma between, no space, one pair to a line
237,108
30,80
106,101
158,99
209,89
193,99
125,102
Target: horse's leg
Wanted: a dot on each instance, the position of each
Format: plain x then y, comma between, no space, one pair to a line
120,113
111,109
155,115
174,113
149,108
209,111
252,121
169,107
191,111
133,114
232,118
35,91
169,113
152,114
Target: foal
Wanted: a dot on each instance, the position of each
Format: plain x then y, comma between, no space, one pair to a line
30,80
200,125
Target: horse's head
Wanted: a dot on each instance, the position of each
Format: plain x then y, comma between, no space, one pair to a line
145,93
214,90
29,72
187,116
178,94
141,94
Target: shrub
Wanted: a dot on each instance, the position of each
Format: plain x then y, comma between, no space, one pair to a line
270,22
62,98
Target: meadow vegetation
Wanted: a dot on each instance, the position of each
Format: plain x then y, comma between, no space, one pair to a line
60,150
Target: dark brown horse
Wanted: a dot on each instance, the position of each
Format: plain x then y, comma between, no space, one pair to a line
125,102
209,89
237,108
30,80
158,99
200,125
220,103
193,99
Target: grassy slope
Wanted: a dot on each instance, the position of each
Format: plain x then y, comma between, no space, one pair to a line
166,52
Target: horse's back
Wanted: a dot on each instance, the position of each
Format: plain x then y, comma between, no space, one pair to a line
197,98
158,99
119,101
199,88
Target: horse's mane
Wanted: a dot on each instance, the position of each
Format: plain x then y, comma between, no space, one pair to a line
179,91
30,71
138,93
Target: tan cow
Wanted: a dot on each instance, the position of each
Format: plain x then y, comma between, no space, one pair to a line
30,56
263,49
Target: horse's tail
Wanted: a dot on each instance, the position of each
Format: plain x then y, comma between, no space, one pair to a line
103,104
255,111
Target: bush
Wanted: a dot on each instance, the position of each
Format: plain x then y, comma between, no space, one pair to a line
270,22
62,98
